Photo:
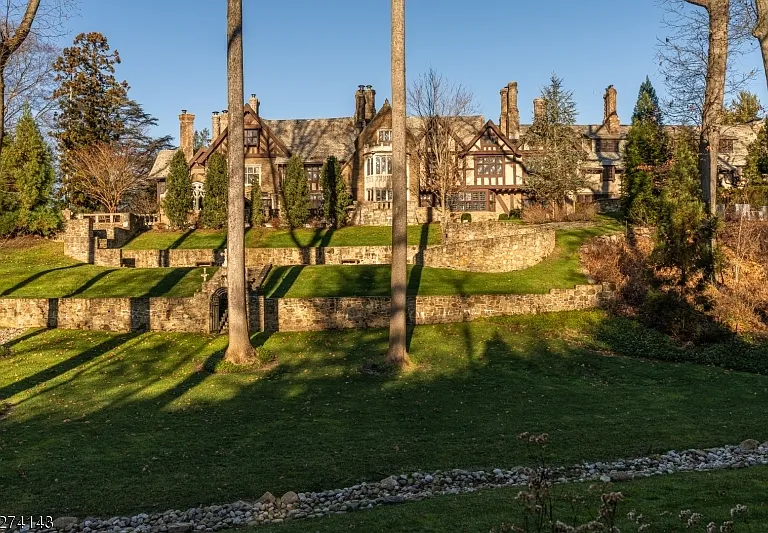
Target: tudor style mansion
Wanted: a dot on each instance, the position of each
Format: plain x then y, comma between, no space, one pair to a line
491,156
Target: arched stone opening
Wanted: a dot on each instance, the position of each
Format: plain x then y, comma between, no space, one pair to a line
218,311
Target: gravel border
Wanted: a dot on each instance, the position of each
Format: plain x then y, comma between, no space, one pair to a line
8,334
406,487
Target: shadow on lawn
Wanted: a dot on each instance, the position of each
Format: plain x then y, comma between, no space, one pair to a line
328,415
35,277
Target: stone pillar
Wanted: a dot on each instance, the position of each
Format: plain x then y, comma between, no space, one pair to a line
504,116
215,125
539,109
360,107
78,240
370,103
513,112
187,134
610,116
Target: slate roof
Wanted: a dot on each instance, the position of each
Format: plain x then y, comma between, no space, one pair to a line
162,162
314,140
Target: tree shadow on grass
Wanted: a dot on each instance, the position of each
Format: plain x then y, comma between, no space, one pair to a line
320,420
280,281
183,237
90,283
35,277
168,282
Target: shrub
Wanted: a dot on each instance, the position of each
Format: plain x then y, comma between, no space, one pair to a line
536,214
583,212
516,214
214,214
466,217
503,217
178,195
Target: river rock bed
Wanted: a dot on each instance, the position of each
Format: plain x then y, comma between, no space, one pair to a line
405,487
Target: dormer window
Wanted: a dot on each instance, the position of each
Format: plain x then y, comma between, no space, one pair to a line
385,137
252,138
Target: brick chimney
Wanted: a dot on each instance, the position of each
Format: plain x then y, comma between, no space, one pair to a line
370,103
187,134
509,122
539,109
610,116
360,107
254,103
223,120
215,125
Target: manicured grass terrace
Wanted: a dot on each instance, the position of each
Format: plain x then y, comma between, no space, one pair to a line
102,424
559,271
35,268
283,238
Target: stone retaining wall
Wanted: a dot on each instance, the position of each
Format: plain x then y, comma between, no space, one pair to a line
191,315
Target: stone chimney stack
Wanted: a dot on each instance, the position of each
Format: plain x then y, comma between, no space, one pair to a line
254,103
539,109
187,134
224,120
610,116
370,103
215,125
360,107
509,122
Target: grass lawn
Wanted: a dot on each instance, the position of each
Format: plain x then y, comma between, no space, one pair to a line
559,271
36,268
102,424
283,238
659,499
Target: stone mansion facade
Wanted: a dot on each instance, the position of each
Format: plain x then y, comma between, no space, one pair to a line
491,156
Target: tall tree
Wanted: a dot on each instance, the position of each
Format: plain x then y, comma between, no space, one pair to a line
557,153
178,192
296,193
202,139
95,108
441,107
239,350
27,180
756,170
760,31
645,155
214,214
335,196
743,109
397,353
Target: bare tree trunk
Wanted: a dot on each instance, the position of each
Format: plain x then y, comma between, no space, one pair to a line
240,349
761,32
397,354
714,96
7,47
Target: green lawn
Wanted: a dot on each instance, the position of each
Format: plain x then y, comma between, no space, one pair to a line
659,499
559,271
40,270
283,238
102,424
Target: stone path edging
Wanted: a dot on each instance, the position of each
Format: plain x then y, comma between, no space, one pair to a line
407,487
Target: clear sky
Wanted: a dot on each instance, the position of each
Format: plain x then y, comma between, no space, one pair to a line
305,58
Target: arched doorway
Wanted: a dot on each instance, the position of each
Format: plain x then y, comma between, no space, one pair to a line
218,314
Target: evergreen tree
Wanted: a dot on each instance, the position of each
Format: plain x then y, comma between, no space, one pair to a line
756,170
94,108
28,178
745,108
554,165
296,193
257,206
178,192
684,232
202,138
214,214
335,196
647,108
645,154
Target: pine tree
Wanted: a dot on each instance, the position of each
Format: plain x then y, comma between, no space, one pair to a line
745,108
296,193
756,170
202,138
178,193
257,206
335,196
554,166
214,214
684,231
647,108
28,175
645,154
94,108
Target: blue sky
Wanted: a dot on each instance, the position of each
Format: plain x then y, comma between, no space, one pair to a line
305,58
